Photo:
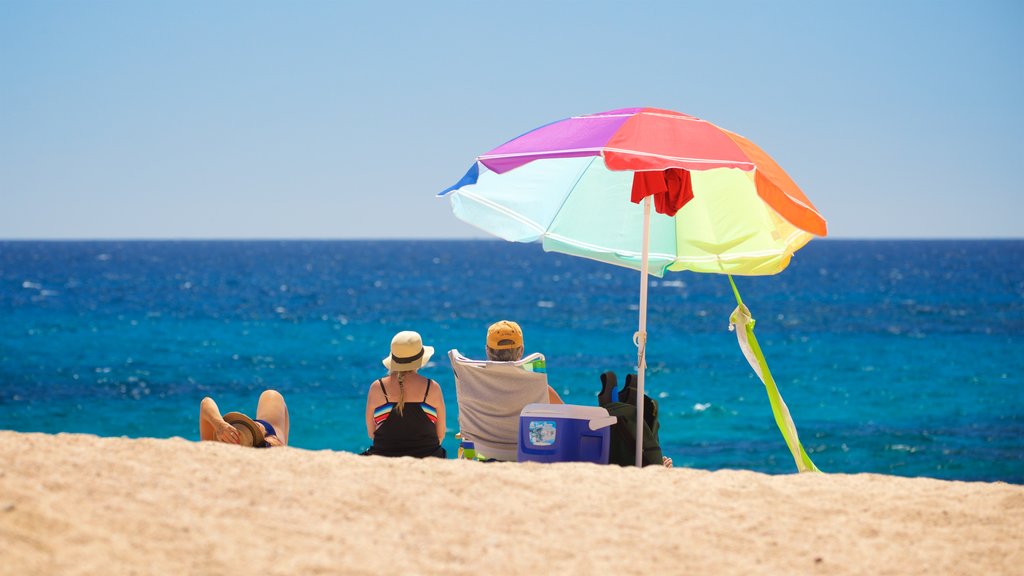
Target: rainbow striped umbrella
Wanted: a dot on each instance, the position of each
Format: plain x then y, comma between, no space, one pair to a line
585,185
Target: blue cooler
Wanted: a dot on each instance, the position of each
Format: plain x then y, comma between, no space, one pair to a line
564,433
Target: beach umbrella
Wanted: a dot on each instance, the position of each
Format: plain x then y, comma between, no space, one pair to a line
585,186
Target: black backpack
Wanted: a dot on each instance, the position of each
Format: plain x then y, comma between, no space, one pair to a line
622,449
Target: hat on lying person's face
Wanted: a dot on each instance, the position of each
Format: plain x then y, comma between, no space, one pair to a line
250,433
504,335
407,352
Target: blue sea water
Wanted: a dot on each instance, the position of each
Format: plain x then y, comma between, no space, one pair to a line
896,357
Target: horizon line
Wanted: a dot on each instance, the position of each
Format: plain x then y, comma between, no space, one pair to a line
447,239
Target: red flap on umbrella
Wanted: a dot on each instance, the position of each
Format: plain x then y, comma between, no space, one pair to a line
671,189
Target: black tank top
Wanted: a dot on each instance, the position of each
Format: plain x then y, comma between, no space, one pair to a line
412,432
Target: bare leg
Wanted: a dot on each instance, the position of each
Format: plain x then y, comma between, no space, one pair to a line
273,409
212,425
206,429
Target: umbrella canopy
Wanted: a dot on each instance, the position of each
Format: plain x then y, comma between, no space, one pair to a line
573,184
584,186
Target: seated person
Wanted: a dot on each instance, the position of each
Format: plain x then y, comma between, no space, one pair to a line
270,428
493,393
505,344
398,427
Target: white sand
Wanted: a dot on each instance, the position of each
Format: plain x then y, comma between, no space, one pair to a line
78,504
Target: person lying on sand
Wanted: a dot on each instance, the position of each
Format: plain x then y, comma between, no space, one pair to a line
270,428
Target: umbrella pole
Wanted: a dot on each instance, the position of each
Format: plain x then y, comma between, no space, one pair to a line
640,339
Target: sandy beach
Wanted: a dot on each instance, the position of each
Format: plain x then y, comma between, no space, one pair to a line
81,504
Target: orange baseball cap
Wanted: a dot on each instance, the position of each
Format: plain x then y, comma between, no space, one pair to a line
504,335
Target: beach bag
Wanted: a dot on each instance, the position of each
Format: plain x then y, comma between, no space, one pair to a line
622,447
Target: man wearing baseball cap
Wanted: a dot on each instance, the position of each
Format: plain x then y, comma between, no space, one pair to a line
505,344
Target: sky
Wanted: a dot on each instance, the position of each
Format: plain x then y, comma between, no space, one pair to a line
193,119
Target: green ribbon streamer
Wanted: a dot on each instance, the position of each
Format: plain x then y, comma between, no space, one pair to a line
779,409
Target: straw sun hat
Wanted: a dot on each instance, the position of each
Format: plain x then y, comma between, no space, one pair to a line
251,433
407,353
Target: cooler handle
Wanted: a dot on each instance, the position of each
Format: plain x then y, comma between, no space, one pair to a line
598,423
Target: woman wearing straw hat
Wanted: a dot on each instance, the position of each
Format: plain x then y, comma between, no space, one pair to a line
405,411
270,428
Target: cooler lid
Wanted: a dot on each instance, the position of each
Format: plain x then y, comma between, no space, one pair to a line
563,411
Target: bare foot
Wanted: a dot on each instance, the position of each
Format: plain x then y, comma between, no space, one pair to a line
666,461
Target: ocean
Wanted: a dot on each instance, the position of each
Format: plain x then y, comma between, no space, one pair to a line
894,357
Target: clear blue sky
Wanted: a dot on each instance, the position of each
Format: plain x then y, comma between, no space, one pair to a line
223,119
